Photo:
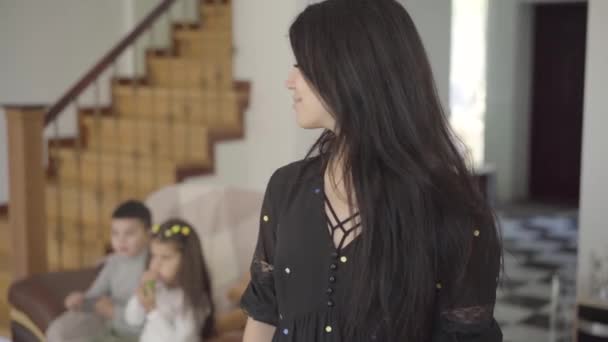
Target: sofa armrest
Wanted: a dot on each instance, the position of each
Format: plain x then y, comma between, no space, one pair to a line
41,297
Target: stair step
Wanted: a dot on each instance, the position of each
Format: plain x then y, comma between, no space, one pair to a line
170,71
217,16
217,110
153,140
204,44
110,171
69,202
74,255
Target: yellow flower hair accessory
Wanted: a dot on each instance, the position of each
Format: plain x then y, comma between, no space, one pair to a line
175,229
168,233
155,228
185,231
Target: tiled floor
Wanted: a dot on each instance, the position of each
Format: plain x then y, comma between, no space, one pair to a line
536,247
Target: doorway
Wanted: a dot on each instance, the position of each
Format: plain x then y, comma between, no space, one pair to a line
559,48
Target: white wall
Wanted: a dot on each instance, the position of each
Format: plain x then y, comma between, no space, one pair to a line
509,66
45,46
593,232
263,57
433,18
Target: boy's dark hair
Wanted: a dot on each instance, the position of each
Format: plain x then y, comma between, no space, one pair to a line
133,209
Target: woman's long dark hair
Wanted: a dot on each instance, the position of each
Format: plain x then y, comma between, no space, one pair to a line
192,276
417,200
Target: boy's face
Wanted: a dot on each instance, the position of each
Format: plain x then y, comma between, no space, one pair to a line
129,237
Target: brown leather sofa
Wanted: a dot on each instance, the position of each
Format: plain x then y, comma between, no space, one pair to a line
37,300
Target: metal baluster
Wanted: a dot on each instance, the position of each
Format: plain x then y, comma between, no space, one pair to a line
197,7
185,12
217,72
170,110
117,137
135,153
80,215
154,142
99,195
56,165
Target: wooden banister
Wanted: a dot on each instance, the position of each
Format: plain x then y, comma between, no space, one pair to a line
105,62
27,220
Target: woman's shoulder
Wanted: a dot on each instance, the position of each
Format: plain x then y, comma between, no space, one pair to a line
304,170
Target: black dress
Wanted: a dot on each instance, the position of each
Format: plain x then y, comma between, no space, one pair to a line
298,274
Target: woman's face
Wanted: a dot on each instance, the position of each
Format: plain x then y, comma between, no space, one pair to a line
310,111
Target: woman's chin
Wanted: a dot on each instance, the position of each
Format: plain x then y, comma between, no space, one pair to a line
306,122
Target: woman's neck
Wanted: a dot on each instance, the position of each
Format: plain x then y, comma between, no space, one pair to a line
336,183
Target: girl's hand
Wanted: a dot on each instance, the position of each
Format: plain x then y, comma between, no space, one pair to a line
146,293
147,299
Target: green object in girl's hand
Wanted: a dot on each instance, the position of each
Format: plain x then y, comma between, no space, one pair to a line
150,287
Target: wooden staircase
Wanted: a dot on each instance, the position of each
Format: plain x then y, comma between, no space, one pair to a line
156,131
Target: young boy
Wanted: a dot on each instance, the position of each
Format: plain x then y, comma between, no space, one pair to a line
98,313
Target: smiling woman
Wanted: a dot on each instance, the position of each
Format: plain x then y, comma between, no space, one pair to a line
379,233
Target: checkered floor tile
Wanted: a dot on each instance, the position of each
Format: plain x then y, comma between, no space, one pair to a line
536,248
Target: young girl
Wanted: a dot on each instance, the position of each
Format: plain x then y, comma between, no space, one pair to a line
380,234
173,301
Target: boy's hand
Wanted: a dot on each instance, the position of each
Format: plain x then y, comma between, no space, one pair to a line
74,301
104,307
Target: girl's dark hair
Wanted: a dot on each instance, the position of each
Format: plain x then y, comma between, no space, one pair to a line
193,276
417,199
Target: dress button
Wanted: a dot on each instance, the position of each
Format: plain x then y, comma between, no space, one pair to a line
334,255
265,218
330,303
330,291
343,259
328,329
333,266
285,331
287,270
332,279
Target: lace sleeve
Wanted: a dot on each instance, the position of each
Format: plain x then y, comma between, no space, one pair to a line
467,297
259,300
